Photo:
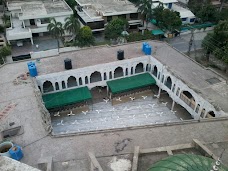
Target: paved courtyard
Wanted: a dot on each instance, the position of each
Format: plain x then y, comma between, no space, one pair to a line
103,116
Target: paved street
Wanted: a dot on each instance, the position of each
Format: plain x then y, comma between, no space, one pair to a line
182,43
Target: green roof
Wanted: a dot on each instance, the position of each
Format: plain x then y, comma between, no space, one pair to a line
186,162
67,97
130,83
198,26
157,32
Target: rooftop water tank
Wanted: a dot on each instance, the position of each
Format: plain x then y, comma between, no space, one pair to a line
16,152
67,64
120,54
4,148
32,70
148,50
144,46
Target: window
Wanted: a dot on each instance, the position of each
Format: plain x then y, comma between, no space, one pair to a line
134,16
197,108
96,25
170,5
184,19
178,90
109,18
45,20
192,20
174,86
122,16
162,79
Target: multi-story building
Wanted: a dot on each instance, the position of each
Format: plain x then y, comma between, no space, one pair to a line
31,18
97,13
185,14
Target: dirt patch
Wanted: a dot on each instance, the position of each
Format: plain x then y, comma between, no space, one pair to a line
120,164
120,145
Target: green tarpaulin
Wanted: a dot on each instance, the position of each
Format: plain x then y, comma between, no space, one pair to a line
130,83
186,162
67,97
157,32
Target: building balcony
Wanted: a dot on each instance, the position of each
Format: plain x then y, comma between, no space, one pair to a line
38,29
16,34
16,31
134,22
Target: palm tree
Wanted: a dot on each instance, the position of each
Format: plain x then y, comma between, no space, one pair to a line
222,4
56,30
72,25
146,10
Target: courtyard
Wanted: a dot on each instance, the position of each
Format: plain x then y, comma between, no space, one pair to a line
38,144
103,116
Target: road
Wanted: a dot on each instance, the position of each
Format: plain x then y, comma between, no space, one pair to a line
182,43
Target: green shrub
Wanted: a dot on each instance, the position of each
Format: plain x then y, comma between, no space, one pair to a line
138,36
5,51
7,24
2,29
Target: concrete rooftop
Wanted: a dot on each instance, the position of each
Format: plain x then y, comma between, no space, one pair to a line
180,65
35,8
37,144
107,7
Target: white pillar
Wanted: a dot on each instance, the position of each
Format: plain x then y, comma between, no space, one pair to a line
23,22
41,89
159,92
83,80
31,40
60,85
173,104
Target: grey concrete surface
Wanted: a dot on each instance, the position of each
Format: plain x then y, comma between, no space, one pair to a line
181,43
40,44
105,116
36,144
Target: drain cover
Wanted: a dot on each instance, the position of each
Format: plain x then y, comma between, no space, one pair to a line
213,80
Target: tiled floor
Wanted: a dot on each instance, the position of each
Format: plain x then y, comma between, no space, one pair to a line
105,116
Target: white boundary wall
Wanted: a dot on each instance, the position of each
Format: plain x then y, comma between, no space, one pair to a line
129,66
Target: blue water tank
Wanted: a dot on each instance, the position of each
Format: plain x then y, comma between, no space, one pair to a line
32,70
144,46
16,152
31,63
148,50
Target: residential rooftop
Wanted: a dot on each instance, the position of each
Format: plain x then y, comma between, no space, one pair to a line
210,85
107,7
38,8
184,13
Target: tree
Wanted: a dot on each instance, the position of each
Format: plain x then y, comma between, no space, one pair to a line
71,3
217,42
72,25
170,20
157,14
114,28
85,37
56,29
167,19
134,1
208,13
145,7
222,4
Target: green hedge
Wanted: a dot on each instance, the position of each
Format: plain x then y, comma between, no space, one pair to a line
138,36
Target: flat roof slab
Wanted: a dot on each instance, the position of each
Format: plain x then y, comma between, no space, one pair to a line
34,8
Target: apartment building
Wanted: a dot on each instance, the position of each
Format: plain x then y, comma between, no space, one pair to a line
96,14
31,18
